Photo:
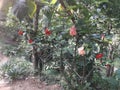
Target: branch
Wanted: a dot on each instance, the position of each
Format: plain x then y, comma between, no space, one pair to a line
68,11
89,73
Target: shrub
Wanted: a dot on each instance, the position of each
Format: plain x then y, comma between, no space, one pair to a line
16,68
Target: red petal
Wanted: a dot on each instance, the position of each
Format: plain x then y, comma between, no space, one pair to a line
98,56
47,32
73,31
20,32
30,41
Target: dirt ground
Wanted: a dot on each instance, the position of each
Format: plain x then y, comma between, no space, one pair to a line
28,84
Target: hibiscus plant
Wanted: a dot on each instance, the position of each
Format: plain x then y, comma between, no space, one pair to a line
72,36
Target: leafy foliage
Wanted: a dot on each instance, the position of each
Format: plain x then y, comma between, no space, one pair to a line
16,68
77,38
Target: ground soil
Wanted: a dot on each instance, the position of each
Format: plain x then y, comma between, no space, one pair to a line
29,84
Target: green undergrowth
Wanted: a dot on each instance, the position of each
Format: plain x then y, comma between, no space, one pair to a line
16,68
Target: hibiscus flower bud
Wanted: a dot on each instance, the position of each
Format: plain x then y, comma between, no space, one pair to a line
102,36
47,32
99,55
30,41
73,31
81,51
107,65
20,32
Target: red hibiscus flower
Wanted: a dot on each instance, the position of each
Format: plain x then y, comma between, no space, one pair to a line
73,31
20,32
30,41
98,56
47,32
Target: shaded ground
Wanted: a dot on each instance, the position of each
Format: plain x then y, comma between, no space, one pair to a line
29,84
6,39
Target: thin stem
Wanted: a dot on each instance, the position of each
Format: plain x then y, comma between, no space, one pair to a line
75,54
61,62
84,67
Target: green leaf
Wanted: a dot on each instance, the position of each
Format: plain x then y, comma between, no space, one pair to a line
53,2
103,1
117,74
32,8
44,1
